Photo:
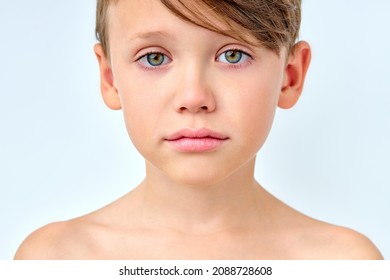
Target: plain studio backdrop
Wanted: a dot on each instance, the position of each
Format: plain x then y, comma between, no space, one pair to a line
63,153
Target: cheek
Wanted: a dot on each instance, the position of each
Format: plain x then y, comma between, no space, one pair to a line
253,109
143,109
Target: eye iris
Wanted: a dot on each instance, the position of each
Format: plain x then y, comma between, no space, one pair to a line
155,59
233,56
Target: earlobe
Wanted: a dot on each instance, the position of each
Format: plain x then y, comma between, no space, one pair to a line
109,92
294,76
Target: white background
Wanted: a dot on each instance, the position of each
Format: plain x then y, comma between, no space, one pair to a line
63,153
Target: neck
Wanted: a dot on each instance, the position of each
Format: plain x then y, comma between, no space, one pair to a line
200,208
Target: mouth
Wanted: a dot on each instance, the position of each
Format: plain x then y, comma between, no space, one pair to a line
201,140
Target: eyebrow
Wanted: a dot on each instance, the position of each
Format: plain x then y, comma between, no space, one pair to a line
150,35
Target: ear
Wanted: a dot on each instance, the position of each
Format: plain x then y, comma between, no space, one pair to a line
294,75
107,87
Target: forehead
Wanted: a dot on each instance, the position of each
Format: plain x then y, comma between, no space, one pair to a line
142,16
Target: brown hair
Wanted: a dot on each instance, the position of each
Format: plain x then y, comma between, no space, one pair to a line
273,23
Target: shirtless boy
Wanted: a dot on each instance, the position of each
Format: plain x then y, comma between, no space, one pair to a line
198,83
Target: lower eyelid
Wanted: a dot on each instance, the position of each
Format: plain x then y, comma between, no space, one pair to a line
145,65
248,57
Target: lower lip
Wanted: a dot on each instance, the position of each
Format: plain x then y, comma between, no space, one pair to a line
196,144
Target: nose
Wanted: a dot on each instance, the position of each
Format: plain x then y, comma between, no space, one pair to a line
194,92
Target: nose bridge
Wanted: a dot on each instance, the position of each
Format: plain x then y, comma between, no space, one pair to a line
194,91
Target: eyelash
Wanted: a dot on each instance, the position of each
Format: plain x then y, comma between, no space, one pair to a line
240,63
151,67
236,65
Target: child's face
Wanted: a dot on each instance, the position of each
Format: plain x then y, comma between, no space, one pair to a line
171,75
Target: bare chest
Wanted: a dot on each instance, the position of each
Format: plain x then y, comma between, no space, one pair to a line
165,246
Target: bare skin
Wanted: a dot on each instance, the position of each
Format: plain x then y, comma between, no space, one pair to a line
195,205
275,231
265,228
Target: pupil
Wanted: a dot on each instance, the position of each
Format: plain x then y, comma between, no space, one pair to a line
155,59
233,56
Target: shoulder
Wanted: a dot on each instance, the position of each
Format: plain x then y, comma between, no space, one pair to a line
60,240
334,242
350,244
91,236
304,237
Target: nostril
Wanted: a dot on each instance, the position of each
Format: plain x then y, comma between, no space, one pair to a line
201,108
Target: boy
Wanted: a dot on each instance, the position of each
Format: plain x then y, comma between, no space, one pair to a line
198,83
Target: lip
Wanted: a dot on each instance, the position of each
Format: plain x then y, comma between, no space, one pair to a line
201,140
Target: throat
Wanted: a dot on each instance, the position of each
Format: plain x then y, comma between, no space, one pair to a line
200,210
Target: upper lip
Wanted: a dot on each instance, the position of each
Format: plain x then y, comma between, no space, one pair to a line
198,133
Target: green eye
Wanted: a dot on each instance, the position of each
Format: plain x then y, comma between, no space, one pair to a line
233,56
155,59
